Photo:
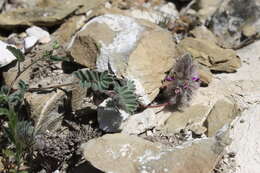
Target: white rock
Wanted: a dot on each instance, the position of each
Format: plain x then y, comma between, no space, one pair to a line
6,56
246,132
42,35
168,10
29,42
158,15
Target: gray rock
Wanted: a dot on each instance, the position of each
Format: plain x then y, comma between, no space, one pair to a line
235,19
122,153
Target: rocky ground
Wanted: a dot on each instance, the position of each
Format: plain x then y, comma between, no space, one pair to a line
141,41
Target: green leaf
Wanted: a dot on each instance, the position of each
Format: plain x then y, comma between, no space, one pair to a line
4,111
17,97
98,81
126,98
56,45
59,58
8,152
17,53
25,133
23,86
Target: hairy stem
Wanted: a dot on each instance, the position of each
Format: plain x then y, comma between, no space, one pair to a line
157,106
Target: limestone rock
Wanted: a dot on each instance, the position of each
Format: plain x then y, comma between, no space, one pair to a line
205,75
191,116
210,55
233,19
202,32
246,135
122,153
41,35
130,47
207,8
6,56
45,106
36,16
87,6
159,14
29,42
245,84
65,32
222,113
85,51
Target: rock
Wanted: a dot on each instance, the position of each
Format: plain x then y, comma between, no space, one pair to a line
84,51
29,42
191,116
16,40
245,85
205,75
129,47
223,112
2,2
207,8
41,35
45,107
161,14
36,16
201,32
245,136
118,153
1,164
86,6
229,21
65,32
111,120
249,31
210,55
168,10
6,56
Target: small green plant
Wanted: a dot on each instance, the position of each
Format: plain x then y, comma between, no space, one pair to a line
121,91
19,132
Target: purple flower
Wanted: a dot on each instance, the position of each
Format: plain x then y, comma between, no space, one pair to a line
169,78
195,79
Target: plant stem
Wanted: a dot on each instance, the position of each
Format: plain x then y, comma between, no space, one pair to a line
157,106
21,72
52,87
